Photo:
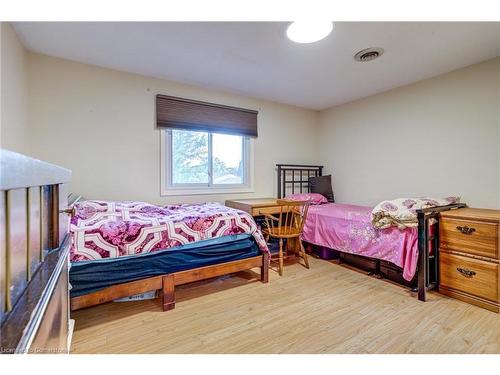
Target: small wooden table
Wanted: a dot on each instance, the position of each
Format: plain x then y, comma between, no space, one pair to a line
256,206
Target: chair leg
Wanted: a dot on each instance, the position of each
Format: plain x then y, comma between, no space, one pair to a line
281,258
303,252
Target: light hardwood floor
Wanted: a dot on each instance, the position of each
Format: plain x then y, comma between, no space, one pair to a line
327,309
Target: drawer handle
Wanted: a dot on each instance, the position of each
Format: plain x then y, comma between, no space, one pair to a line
466,229
466,272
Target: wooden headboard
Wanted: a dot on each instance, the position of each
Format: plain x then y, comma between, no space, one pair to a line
294,178
33,254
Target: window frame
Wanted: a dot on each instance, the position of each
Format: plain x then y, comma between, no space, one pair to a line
167,188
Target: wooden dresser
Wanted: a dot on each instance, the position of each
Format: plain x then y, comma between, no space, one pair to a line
469,259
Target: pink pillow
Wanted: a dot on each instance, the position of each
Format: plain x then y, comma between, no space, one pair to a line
314,198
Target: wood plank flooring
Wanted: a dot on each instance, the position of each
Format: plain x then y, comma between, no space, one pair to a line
326,309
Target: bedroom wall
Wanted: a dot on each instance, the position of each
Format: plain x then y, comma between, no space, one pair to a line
14,133
437,137
100,123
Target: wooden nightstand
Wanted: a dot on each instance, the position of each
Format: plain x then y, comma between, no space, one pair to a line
469,259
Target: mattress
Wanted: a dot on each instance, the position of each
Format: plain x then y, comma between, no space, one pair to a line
90,276
348,228
106,229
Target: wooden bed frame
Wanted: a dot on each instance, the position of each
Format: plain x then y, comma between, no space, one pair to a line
166,283
293,177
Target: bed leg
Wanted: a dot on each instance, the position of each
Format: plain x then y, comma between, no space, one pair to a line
423,256
421,276
264,269
168,292
422,295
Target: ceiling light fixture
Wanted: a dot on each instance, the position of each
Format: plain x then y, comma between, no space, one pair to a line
309,31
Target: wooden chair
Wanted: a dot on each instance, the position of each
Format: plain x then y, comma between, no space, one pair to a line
288,224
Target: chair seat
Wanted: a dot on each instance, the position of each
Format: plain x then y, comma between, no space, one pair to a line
283,232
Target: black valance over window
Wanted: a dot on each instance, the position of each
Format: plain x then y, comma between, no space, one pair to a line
178,113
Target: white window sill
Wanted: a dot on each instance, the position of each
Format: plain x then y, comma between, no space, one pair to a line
191,191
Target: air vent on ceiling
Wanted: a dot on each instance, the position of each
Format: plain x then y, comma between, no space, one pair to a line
368,54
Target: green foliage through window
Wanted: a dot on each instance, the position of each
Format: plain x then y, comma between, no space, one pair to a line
189,157
193,151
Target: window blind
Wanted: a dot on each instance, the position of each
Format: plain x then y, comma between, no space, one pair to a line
179,113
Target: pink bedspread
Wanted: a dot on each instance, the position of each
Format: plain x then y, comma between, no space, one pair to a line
103,229
348,228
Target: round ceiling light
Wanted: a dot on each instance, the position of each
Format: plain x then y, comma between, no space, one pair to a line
309,32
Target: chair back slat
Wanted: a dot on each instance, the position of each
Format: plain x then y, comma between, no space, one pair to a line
293,215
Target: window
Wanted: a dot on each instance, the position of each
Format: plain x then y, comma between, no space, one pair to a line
205,147
197,162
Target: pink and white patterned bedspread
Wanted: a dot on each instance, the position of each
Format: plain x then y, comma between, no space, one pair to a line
348,228
102,229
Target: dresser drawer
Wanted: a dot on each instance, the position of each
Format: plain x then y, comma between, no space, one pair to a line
475,237
473,276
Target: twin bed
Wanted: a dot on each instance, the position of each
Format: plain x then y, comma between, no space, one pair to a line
408,256
124,248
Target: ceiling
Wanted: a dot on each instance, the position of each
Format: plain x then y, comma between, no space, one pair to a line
256,58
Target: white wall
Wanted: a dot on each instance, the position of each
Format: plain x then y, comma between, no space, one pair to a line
14,133
100,123
436,137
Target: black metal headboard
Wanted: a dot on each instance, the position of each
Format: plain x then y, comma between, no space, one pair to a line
294,178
